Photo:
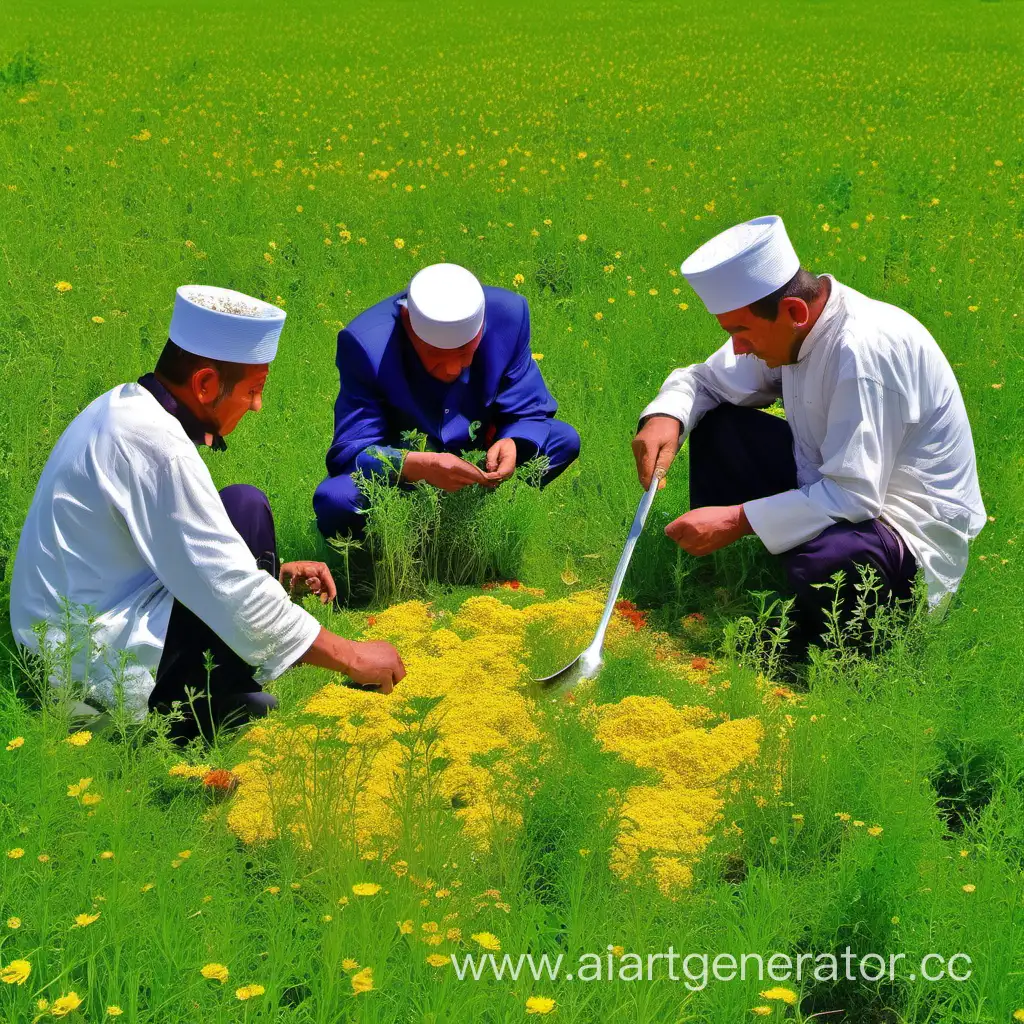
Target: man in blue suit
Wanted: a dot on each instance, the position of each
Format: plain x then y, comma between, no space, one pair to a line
452,360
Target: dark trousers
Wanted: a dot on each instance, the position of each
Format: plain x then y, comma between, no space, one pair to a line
229,694
738,454
341,508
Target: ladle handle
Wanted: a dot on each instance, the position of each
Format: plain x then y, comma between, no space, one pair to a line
627,553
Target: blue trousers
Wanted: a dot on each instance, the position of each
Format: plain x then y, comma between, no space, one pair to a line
234,696
738,454
340,507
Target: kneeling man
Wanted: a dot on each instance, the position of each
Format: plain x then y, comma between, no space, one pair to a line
874,463
451,360
131,558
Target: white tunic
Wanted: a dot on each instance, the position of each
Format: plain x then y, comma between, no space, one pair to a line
124,520
879,431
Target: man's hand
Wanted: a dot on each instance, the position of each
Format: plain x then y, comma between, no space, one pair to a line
501,461
308,578
374,664
655,446
704,530
448,472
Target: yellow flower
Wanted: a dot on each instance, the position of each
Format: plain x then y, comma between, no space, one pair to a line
215,972
366,888
249,992
79,787
16,972
107,855
14,922
1018,1014
80,738
487,941
147,887
273,889
518,279
437,960
114,1011
842,816
399,243
969,888
91,799
98,320
599,316
65,1005
42,1004
965,853
16,854
363,981
684,306
349,964
63,286
858,824
84,920
825,227
18,741
538,356
761,1011
43,858
784,995
405,927
875,830
539,1004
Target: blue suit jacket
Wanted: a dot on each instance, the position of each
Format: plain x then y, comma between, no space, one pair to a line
385,390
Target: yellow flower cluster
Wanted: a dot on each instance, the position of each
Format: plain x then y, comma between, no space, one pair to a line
666,826
474,660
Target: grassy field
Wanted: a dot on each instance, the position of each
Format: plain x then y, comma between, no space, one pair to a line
317,155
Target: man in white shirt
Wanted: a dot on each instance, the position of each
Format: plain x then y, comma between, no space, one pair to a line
132,566
874,463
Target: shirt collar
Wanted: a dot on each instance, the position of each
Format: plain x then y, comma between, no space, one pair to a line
194,428
825,319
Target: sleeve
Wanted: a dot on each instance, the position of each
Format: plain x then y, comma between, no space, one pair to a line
178,522
864,435
523,407
722,377
360,419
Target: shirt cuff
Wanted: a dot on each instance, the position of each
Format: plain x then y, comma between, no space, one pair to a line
533,432
668,405
787,519
381,460
299,639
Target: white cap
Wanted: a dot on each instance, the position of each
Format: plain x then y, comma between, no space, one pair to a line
446,305
223,324
742,264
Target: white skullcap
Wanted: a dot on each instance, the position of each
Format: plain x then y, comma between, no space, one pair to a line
223,324
742,264
446,305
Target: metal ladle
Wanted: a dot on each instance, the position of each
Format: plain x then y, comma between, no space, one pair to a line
588,664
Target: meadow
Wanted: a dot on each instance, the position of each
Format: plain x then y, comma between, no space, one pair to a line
318,154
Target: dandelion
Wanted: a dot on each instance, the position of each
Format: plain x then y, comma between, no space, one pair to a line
582,238
539,1004
405,928
214,972
65,1005
518,280
43,858
783,995
437,960
16,854
842,816
684,306
18,741
399,243
273,889
761,1011
363,981
114,1011
91,799
349,964
599,316
98,320
969,888
826,227
79,787
1018,1014
249,992
14,922
84,920
63,286
16,972
79,739
487,941
366,888
538,356
875,830
107,855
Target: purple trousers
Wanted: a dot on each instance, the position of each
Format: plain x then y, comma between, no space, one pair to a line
738,454
230,695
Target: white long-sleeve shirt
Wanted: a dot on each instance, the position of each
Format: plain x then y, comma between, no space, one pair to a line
125,519
879,431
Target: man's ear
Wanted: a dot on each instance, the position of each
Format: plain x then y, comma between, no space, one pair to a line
796,310
206,385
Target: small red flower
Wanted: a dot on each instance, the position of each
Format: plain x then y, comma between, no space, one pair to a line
700,664
514,584
221,780
629,611
371,620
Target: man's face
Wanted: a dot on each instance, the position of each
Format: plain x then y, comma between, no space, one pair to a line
445,364
225,412
777,341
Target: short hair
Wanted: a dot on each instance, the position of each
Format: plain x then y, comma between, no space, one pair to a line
177,366
802,285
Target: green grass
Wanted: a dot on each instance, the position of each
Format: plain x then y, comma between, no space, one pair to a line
507,133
